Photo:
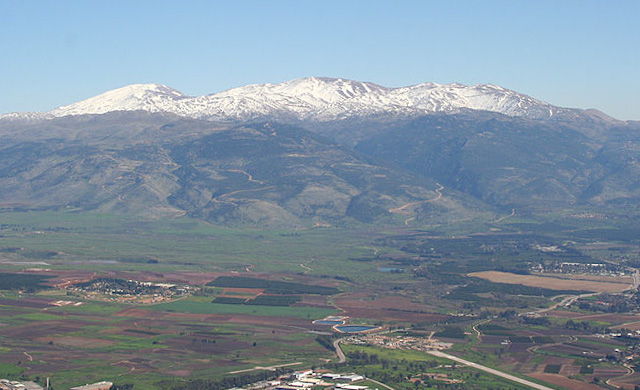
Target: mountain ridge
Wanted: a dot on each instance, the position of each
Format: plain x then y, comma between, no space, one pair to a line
318,99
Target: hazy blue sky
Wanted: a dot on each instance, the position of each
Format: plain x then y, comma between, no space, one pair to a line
570,53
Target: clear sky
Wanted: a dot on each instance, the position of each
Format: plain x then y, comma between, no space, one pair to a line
571,53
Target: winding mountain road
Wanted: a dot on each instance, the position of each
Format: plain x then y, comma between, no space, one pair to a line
341,357
402,209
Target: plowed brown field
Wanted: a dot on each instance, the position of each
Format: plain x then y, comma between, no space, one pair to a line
552,283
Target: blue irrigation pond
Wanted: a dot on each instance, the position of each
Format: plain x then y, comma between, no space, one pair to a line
354,328
328,322
391,269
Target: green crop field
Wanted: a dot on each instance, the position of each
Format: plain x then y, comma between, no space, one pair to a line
199,305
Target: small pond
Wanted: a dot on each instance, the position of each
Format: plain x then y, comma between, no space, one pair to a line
354,328
329,322
391,269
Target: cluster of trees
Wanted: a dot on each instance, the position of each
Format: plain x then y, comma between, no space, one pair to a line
540,321
126,386
617,307
586,327
26,282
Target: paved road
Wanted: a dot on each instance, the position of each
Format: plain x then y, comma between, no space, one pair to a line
489,370
270,368
565,302
336,346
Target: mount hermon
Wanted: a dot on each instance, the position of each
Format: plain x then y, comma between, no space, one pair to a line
315,99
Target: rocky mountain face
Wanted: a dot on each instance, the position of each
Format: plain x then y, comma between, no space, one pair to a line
319,151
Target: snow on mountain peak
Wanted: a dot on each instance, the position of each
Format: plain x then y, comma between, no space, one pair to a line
147,97
313,98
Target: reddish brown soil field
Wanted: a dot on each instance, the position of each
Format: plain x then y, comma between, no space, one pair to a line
564,314
135,313
37,329
77,342
610,372
626,383
630,325
557,360
578,350
390,302
609,317
392,308
270,321
565,382
206,344
36,303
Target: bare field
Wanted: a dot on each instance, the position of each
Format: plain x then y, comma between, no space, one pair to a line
77,342
626,280
552,283
632,325
611,318
391,308
564,382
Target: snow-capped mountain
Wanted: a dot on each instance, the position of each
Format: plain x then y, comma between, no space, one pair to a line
380,149
313,98
145,97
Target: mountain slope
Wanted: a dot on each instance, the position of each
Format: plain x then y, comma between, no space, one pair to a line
163,165
515,162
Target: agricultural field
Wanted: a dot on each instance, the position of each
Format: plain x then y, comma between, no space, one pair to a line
141,344
89,297
555,283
